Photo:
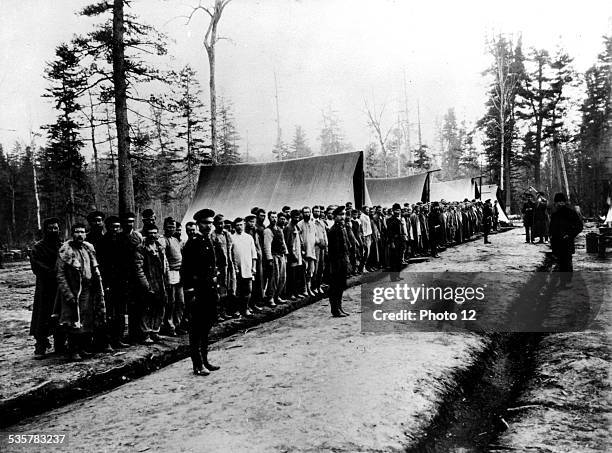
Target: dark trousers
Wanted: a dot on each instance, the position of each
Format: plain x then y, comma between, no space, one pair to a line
244,287
486,230
528,233
115,313
433,246
202,308
565,265
337,284
295,280
396,255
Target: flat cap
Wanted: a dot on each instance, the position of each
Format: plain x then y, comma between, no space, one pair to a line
204,215
92,215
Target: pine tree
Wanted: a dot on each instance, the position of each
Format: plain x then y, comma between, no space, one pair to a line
594,178
450,137
331,136
228,136
299,146
190,123
63,183
422,159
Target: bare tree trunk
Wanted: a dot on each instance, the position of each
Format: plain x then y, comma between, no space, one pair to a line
210,40
126,186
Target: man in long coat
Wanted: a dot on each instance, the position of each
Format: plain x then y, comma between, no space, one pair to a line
395,239
43,259
79,304
152,274
338,262
565,225
112,256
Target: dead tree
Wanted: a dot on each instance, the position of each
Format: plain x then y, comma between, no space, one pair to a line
210,40
374,121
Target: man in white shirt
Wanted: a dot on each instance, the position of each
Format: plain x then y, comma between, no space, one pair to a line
366,227
308,236
245,262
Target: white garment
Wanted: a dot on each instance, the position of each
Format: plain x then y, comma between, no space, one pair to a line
366,224
244,252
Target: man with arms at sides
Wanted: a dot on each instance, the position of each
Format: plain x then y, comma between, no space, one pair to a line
199,276
338,262
275,255
244,255
43,259
152,274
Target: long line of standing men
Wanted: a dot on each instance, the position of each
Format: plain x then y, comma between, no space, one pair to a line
88,284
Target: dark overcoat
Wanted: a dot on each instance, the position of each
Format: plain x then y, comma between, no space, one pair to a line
43,260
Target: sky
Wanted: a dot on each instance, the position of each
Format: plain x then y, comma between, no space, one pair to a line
327,54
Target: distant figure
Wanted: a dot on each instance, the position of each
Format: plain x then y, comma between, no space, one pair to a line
487,220
565,225
43,259
540,219
527,211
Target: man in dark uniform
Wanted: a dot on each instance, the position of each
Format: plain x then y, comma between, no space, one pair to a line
43,259
96,228
131,239
338,246
396,240
540,216
199,276
434,223
112,257
487,220
565,225
527,211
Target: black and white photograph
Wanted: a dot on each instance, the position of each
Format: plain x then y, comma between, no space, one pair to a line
305,226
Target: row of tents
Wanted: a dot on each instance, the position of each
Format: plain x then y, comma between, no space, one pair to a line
326,180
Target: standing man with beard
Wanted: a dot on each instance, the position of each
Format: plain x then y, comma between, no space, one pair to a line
487,220
43,259
112,258
308,238
226,280
395,239
320,249
436,228
275,254
250,225
80,299
175,305
245,262
338,262
528,211
152,275
199,275
131,239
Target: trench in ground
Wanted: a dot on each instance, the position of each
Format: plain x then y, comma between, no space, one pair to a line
471,417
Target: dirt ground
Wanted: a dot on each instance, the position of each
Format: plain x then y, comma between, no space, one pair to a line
567,403
304,382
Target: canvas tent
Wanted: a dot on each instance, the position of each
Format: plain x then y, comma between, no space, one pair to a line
490,191
234,189
386,191
455,190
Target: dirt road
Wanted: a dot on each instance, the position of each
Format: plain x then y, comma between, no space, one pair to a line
305,382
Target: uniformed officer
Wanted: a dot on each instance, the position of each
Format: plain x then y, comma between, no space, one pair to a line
338,246
199,276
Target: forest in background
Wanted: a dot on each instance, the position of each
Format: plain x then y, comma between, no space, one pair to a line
146,131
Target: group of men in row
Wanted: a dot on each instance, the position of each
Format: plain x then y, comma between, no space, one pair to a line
227,268
536,218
